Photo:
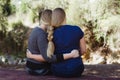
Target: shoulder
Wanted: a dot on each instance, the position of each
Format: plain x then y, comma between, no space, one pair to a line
78,30
68,28
37,32
74,27
71,26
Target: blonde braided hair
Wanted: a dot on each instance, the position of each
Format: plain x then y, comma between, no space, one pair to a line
51,47
58,17
45,18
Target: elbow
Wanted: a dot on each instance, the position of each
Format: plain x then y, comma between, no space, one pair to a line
83,51
49,60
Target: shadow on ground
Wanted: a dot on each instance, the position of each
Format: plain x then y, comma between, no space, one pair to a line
92,72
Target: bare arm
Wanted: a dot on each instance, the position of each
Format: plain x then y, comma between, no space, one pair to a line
82,46
73,54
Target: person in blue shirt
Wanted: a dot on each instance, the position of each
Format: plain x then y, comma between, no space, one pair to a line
65,39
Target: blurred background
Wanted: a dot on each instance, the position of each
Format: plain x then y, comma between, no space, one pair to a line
99,19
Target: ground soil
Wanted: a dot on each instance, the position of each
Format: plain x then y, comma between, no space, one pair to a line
92,72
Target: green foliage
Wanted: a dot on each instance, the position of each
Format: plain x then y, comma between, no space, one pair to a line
3,26
13,9
34,14
6,7
24,6
3,21
100,20
16,37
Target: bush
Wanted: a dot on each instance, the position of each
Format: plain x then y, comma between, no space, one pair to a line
14,41
99,19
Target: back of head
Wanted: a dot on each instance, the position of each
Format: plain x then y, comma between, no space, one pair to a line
58,17
45,17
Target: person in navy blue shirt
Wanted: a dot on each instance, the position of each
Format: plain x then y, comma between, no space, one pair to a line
66,38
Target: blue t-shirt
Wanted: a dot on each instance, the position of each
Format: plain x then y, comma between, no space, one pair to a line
66,38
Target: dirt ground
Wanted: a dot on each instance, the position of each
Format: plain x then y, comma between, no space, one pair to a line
92,72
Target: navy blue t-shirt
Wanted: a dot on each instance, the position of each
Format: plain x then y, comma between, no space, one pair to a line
66,38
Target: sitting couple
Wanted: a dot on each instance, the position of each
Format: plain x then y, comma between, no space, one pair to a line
55,47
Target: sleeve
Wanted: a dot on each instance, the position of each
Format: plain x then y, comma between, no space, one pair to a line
42,45
80,32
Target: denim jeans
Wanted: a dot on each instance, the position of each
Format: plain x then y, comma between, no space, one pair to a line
40,72
68,68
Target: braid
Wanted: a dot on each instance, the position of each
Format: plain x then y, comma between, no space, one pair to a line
51,47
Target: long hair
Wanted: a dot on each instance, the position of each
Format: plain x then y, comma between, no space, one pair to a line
51,47
45,18
58,17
